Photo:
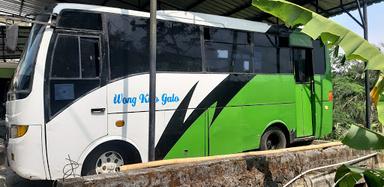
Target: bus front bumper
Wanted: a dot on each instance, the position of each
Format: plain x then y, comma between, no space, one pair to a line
25,154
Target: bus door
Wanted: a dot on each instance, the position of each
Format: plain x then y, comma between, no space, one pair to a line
76,100
302,59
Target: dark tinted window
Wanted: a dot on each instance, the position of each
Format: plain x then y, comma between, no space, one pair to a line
67,62
218,57
219,35
302,60
178,47
261,39
66,57
80,20
90,66
64,92
285,61
128,45
319,57
75,70
265,60
242,58
227,51
226,36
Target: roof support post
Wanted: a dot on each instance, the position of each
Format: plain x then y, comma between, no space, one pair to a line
21,7
364,26
3,42
152,79
367,96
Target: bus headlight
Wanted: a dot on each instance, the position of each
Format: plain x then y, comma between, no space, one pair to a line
18,131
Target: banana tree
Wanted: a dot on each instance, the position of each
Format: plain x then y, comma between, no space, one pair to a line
355,48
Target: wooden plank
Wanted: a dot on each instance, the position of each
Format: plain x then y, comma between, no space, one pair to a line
218,157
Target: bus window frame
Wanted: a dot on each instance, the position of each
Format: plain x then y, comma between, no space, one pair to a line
51,51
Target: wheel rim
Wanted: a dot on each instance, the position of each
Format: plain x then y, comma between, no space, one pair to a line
109,162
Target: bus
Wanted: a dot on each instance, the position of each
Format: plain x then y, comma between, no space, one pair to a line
79,96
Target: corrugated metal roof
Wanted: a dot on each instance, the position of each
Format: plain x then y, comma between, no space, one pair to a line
234,8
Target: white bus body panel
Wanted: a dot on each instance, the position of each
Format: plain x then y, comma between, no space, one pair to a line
171,85
30,111
74,129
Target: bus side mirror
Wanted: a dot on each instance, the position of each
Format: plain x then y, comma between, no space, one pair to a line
12,36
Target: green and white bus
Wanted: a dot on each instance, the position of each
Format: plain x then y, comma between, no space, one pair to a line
224,85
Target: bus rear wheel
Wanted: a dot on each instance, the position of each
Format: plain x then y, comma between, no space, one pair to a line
273,138
105,160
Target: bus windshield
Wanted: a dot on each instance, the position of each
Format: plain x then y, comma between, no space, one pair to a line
22,81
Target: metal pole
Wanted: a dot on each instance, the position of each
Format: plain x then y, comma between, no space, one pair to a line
152,80
367,96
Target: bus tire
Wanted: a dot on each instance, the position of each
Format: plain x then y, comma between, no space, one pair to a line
273,138
105,159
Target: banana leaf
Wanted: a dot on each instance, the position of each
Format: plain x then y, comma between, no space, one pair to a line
362,138
348,175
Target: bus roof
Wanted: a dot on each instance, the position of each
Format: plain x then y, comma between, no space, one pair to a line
172,15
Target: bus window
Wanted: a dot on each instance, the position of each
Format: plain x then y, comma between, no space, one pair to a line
80,20
90,65
242,58
302,61
75,69
265,40
228,51
179,47
319,57
285,61
265,60
66,57
218,57
128,45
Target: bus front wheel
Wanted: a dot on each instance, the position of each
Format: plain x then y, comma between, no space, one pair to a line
105,160
273,138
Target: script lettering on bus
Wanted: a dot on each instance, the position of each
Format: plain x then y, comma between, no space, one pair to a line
144,98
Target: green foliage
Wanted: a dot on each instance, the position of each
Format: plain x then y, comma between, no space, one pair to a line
349,99
356,135
348,176
349,94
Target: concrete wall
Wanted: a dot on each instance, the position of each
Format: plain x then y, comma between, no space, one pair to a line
258,170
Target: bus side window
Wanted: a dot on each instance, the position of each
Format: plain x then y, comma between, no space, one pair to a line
286,65
302,60
319,57
65,61
128,45
265,53
227,51
178,47
79,20
90,59
265,60
75,70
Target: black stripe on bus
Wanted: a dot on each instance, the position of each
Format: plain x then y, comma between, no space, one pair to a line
221,95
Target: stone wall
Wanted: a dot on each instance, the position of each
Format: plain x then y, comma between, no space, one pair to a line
242,170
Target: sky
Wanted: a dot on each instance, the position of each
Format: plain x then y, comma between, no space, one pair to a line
375,23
